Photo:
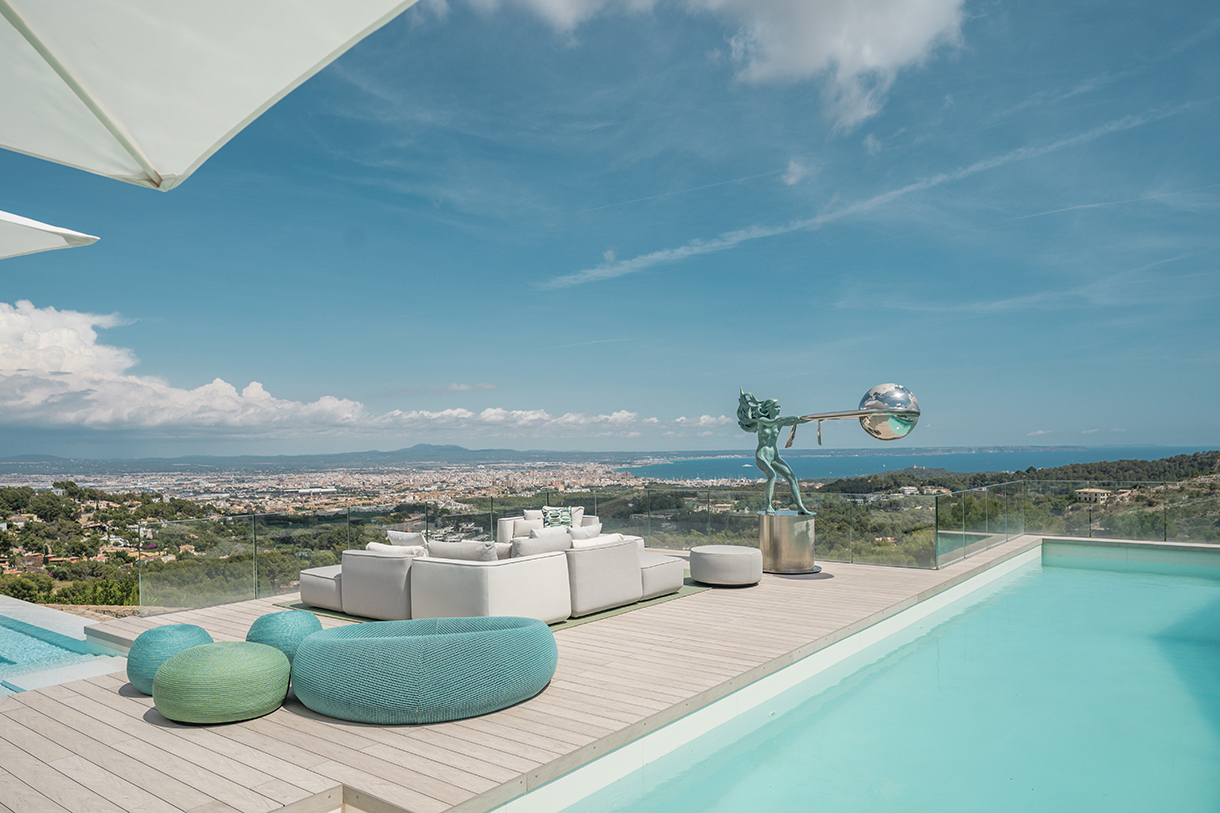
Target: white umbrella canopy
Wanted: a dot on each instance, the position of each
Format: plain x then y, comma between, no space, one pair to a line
20,235
146,90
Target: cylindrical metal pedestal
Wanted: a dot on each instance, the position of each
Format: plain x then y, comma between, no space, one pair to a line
786,541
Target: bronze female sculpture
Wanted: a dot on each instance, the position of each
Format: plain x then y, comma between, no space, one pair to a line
763,417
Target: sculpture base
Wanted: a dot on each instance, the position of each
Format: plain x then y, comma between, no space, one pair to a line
786,541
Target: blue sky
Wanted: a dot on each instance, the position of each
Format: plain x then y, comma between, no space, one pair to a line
584,224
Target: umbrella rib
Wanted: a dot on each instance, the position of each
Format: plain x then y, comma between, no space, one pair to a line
125,141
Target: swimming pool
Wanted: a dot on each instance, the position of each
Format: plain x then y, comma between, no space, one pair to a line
1070,683
41,647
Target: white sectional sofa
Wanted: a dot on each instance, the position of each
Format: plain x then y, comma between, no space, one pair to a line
547,575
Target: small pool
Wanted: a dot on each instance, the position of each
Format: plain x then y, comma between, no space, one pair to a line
42,647
1069,683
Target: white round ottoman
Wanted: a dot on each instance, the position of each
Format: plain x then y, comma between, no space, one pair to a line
726,564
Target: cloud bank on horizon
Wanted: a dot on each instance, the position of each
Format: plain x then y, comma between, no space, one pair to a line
55,373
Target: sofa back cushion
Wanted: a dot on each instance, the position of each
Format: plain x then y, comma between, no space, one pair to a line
586,531
554,530
522,527
532,513
466,549
398,550
597,541
546,543
406,538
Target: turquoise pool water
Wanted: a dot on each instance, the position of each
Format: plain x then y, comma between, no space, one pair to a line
41,646
1060,688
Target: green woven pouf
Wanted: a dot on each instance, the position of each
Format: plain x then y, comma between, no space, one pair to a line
153,646
222,683
425,670
284,630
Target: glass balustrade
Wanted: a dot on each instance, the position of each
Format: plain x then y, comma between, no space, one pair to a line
203,562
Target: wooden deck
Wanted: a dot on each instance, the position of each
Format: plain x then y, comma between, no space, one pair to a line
97,745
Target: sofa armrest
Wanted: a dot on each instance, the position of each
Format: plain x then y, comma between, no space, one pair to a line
604,576
377,584
504,529
528,587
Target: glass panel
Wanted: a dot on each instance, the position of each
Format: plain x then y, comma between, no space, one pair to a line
1192,512
733,516
289,543
196,563
624,512
895,530
833,528
950,528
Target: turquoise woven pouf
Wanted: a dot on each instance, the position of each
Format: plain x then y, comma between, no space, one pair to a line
424,670
222,683
284,630
153,646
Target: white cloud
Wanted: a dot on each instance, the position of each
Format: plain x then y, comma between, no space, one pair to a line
55,374
1037,432
795,174
565,15
855,47
704,420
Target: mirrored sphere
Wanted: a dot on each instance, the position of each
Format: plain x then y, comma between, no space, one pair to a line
889,396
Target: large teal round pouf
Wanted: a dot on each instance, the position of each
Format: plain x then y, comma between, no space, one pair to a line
222,683
424,670
284,630
152,647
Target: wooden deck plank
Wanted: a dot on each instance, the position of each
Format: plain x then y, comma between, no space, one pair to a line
19,796
212,776
122,764
59,786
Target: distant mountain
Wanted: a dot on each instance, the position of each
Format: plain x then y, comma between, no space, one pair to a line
33,458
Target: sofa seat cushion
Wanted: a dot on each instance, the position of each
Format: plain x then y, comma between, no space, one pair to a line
660,575
323,587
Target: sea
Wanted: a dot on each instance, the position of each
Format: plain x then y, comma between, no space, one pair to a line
858,463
